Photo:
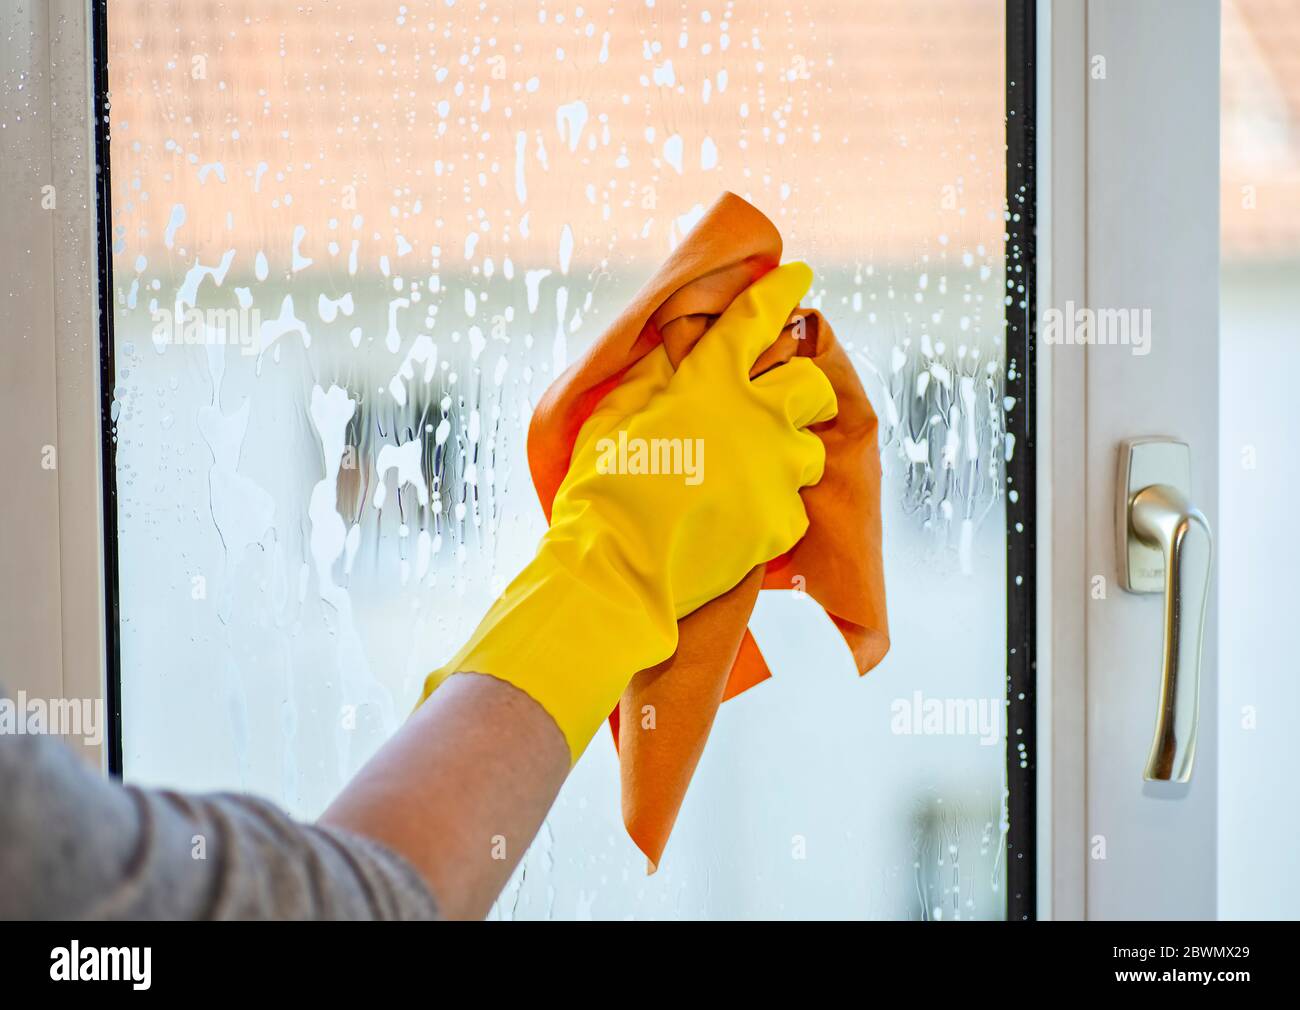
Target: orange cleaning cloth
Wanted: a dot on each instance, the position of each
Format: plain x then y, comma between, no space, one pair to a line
664,717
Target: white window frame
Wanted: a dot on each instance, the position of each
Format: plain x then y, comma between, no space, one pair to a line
52,611
1128,215
52,593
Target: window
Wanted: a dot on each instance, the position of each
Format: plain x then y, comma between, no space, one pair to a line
352,245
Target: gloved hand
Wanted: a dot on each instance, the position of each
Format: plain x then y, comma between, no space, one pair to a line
631,548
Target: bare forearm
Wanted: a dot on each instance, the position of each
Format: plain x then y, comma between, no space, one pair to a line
461,790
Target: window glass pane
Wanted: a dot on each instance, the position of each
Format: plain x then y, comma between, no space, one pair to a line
1259,478
353,243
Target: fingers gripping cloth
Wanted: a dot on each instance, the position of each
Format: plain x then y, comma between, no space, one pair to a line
664,716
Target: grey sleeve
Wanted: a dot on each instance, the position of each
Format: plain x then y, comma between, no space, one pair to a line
74,845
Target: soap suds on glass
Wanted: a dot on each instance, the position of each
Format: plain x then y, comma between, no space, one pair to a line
421,213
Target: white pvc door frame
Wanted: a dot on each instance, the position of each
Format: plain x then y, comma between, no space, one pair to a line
1129,218
1128,212
52,619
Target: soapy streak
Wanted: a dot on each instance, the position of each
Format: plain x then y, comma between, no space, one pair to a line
943,416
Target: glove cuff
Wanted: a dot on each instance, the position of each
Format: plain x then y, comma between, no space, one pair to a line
572,645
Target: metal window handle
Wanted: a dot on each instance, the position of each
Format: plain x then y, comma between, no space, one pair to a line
1166,546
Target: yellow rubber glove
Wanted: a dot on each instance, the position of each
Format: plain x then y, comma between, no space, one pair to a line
632,549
